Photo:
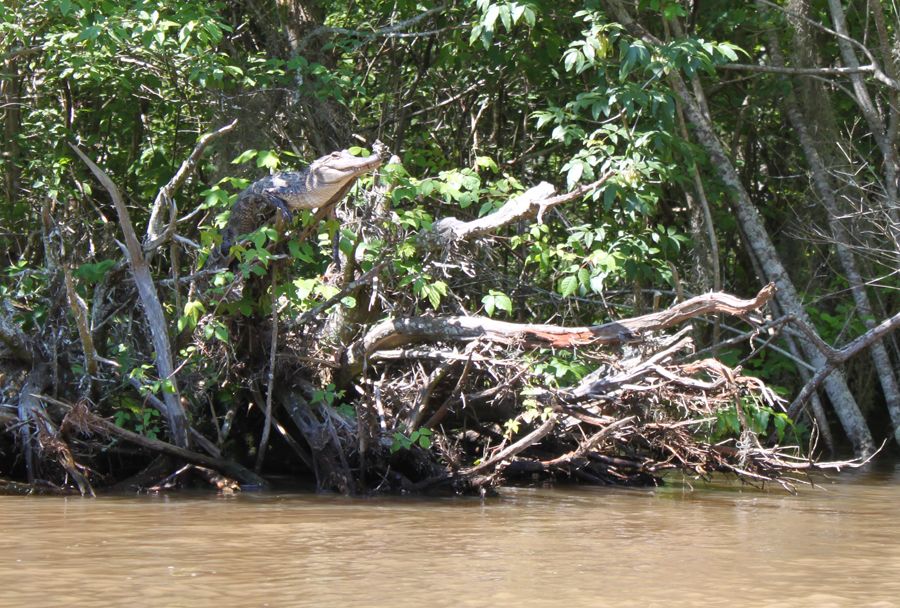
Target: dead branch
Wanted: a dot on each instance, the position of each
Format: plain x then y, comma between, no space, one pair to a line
394,333
82,418
164,198
522,444
156,318
534,202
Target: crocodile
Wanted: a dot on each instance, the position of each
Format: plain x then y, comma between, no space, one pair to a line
319,186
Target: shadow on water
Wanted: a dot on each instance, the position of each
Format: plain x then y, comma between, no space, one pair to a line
837,544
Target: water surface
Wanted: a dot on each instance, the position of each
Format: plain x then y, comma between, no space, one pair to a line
838,545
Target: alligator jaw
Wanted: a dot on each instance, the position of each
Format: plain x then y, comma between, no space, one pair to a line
341,167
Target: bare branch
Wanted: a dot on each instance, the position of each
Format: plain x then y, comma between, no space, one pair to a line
155,234
525,442
394,333
840,356
750,67
156,318
534,202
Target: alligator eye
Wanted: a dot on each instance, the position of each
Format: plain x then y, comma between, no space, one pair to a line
335,155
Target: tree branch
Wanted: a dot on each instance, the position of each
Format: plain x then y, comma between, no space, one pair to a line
155,234
156,318
394,333
534,202
840,356
750,67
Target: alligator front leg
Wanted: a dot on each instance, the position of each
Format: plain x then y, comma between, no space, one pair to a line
279,203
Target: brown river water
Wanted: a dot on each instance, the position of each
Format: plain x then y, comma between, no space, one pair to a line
836,545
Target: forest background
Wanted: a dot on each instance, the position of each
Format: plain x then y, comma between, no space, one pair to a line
712,146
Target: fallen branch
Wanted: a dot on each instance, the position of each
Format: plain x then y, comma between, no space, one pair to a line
82,418
522,444
156,318
394,333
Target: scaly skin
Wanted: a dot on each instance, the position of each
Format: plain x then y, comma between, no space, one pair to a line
322,184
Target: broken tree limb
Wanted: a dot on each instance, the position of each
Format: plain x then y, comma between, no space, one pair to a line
156,318
534,202
522,444
81,417
395,333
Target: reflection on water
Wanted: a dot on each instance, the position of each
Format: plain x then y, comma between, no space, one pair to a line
834,546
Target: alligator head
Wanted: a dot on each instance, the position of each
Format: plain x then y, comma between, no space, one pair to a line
331,176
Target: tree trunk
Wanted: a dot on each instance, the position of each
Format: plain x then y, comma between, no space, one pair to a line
836,385
826,195
870,112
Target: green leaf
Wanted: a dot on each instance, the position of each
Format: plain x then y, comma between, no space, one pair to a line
503,302
221,333
244,157
94,273
486,162
529,16
781,421
268,159
506,17
490,18
489,302
568,285
574,173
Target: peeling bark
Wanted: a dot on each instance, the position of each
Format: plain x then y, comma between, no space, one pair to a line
394,333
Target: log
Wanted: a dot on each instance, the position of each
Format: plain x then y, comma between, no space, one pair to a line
395,333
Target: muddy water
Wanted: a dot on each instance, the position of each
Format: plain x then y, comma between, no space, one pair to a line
835,546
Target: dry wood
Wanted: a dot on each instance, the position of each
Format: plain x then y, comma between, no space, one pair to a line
174,413
515,448
82,418
395,333
156,236
534,202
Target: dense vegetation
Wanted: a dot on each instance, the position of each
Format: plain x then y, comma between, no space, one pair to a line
710,147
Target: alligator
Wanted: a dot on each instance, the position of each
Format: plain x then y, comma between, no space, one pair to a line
319,186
